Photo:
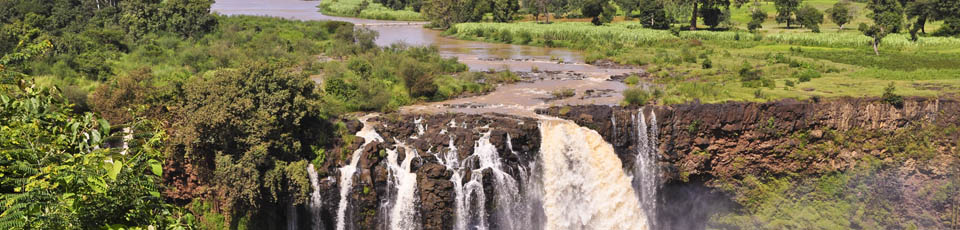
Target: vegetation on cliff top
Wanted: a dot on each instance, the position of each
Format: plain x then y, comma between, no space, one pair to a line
229,105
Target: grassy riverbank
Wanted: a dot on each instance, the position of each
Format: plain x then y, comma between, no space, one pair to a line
355,8
717,66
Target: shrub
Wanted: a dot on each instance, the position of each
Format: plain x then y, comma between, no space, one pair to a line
789,83
632,80
688,56
707,64
806,75
748,73
890,98
636,96
563,93
505,36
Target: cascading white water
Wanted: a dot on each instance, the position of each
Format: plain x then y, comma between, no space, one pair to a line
451,161
316,202
645,171
584,184
369,135
470,197
505,186
403,207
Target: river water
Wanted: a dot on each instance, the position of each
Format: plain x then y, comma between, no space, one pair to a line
591,87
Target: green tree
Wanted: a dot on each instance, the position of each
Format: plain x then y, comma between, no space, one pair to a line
600,10
628,6
947,11
189,18
786,10
841,13
234,126
887,16
503,10
444,13
652,15
712,6
810,17
757,16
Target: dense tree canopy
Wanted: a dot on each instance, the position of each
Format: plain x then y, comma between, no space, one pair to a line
887,16
786,10
810,17
841,13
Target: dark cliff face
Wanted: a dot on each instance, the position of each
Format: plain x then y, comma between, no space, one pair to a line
733,139
433,134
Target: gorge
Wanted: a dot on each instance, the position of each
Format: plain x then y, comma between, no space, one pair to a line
461,164
608,167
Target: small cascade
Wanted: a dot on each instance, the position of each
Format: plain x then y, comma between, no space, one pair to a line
450,160
470,196
291,217
402,203
316,202
369,135
613,120
505,186
584,184
645,169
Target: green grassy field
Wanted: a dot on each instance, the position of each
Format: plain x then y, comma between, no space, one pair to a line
836,64
348,8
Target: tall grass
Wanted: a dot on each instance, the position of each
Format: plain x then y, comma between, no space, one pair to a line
581,34
586,35
348,8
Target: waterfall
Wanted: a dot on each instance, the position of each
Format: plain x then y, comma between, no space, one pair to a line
645,170
403,205
470,197
316,202
450,160
369,135
584,184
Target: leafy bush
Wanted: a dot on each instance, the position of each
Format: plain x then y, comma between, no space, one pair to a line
707,64
891,98
636,96
748,73
631,80
757,16
806,75
563,93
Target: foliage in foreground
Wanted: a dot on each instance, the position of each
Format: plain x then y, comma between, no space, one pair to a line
63,170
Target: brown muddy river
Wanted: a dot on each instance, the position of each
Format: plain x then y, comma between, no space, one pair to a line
519,98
